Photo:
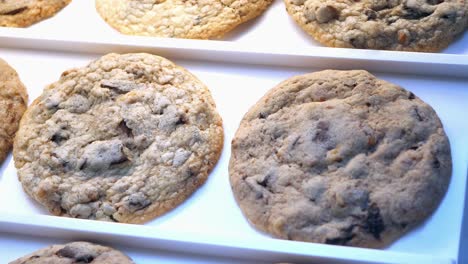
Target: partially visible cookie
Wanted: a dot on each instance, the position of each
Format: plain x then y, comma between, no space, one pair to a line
179,19
75,252
23,13
125,139
13,102
339,157
408,25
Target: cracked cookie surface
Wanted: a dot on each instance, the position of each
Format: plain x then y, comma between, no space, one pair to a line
179,19
13,103
23,13
339,157
75,252
124,139
408,25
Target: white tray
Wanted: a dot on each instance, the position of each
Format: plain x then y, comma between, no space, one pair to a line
210,222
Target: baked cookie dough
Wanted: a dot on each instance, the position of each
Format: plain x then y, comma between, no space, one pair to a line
124,139
339,157
75,252
408,25
23,13
179,19
13,102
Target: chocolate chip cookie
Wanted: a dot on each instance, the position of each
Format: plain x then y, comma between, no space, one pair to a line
23,13
13,102
75,252
408,25
339,157
179,19
124,139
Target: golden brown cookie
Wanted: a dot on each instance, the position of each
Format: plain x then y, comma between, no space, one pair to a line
179,19
124,139
23,13
409,25
339,157
13,103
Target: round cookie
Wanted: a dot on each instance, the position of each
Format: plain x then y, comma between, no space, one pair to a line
124,139
13,103
179,19
408,25
23,13
75,252
339,157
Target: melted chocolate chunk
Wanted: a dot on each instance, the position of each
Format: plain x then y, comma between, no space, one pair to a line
374,222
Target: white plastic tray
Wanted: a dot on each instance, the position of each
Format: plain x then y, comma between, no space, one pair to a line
210,222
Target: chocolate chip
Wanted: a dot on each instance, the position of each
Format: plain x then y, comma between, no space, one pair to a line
413,14
191,172
434,2
327,13
374,223
137,201
321,133
83,165
452,17
136,72
436,163
264,181
262,115
120,86
87,258
182,120
58,138
414,147
14,11
371,14
66,252
125,129
411,96
113,218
